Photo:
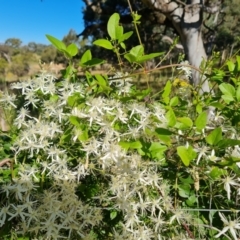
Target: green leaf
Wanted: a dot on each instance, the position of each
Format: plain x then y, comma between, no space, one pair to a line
122,44
157,150
136,17
199,108
191,200
56,43
166,92
238,93
125,36
119,32
217,105
227,89
112,25
103,43
227,98
164,135
101,80
87,56
164,139
186,122
201,121
92,62
186,154
214,137
148,57
133,145
74,120
83,136
184,190
217,75
171,118
216,173
225,143
130,57
163,131
113,215
137,51
72,49
231,66
174,101
66,136
238,63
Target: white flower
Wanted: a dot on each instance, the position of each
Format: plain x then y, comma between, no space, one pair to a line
228,181
185,69
231,226
17,210
31,98
8,98
202,152
3,215
212,157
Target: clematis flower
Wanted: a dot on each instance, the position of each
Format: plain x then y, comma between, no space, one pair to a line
231,226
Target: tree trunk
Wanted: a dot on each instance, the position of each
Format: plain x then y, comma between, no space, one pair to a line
187,19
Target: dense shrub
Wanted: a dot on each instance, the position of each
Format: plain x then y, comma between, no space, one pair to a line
96,158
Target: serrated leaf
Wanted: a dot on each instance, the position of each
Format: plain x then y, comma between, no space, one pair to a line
112,25
72,49
103,43
186,154
214,137
201,121
56,43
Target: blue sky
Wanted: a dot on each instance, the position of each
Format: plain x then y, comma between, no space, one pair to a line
30,20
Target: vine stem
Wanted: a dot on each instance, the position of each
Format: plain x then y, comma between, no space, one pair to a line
135,24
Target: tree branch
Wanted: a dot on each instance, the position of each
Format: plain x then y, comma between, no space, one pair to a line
6,161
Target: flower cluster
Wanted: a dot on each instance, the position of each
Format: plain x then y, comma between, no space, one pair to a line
92,162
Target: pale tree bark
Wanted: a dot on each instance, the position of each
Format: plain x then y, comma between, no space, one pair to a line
187,19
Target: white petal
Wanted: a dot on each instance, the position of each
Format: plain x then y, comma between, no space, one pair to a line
222,232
